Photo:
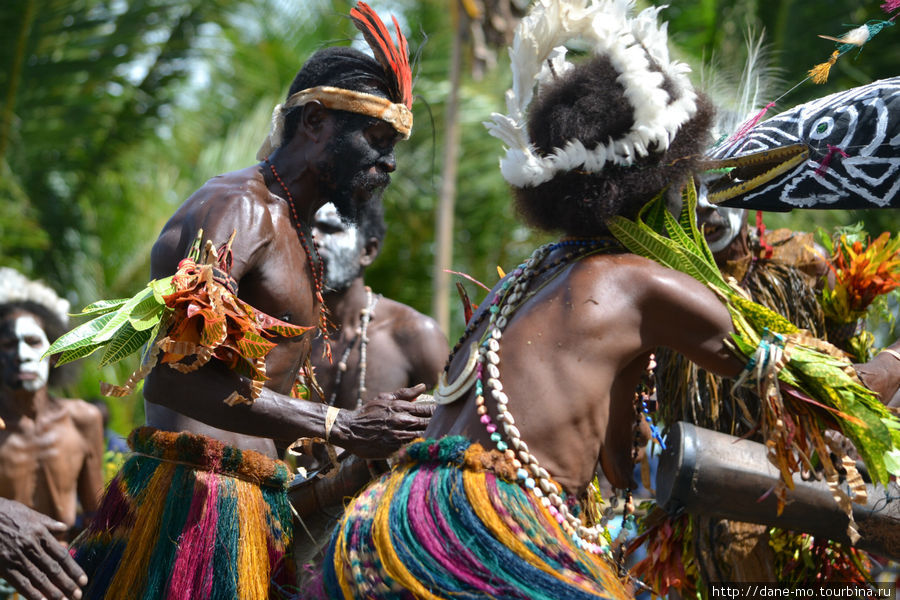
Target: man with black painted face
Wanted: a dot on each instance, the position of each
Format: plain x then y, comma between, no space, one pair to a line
332,140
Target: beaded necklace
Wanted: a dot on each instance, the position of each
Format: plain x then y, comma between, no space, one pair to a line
316,266
513,294
365,316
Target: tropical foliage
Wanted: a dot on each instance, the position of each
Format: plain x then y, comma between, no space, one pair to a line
113,112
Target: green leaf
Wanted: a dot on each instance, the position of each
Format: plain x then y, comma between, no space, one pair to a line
76,352
101,306
639,240
162,287
127,340
120,317
82,333
147,313
892,461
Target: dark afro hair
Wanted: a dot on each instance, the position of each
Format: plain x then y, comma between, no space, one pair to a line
53,327
336,66
588,104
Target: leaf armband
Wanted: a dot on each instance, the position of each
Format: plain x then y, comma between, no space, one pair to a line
188,319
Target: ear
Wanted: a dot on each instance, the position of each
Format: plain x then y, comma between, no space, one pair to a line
370,250
313,119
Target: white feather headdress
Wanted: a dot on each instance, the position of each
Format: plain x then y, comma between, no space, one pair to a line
637,49
15,287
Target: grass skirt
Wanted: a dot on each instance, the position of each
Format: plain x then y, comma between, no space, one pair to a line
449,521
189,518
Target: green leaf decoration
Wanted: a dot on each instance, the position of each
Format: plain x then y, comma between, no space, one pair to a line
126,340
634,237
892,461
121,316
147,313
152,338
100,307
85,331
77,352
162,287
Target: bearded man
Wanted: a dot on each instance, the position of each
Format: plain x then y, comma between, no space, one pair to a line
541,386
51,448
200,509
380,345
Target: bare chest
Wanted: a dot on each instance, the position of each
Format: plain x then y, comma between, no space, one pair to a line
35,455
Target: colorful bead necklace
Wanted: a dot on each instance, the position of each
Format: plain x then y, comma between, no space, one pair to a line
316,266
513,294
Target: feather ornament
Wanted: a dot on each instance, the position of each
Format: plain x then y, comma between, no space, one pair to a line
632,44
394,58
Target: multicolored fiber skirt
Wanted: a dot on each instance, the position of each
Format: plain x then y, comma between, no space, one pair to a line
189,518
449,521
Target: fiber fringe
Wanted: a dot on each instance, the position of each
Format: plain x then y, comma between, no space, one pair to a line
449,521
189,518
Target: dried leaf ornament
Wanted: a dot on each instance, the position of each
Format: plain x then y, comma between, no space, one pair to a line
190,318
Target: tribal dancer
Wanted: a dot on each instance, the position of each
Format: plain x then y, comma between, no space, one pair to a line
541,386
200,508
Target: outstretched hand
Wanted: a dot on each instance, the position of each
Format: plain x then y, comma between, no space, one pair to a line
32,559
384,424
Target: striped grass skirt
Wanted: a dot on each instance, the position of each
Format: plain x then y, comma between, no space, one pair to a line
189,518
449,521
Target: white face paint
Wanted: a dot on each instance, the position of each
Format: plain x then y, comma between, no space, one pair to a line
340,246
729,220
32,342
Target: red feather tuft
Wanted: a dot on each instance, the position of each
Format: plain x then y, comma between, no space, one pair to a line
395,61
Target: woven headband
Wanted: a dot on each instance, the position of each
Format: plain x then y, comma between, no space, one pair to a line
397,115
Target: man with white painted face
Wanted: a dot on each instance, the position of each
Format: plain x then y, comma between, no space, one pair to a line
51,448
380,345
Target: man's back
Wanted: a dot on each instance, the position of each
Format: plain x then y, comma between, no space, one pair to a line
578,348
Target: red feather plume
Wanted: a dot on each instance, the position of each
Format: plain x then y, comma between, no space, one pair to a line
395,61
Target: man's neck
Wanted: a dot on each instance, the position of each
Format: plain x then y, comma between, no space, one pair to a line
292,183
345,306
24,403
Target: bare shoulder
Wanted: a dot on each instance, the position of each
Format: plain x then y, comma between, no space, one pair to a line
236,202
628,271
407,322
83,414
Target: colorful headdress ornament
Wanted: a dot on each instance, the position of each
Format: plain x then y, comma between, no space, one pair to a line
636,47
15,287
395,61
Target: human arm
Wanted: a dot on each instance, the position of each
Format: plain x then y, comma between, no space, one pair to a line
375,430
427,349
32,559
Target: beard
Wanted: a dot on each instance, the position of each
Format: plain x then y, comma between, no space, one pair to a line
346,176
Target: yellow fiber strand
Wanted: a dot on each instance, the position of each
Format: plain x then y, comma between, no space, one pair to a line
135,558
381,535
253,557
819,73
481,504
